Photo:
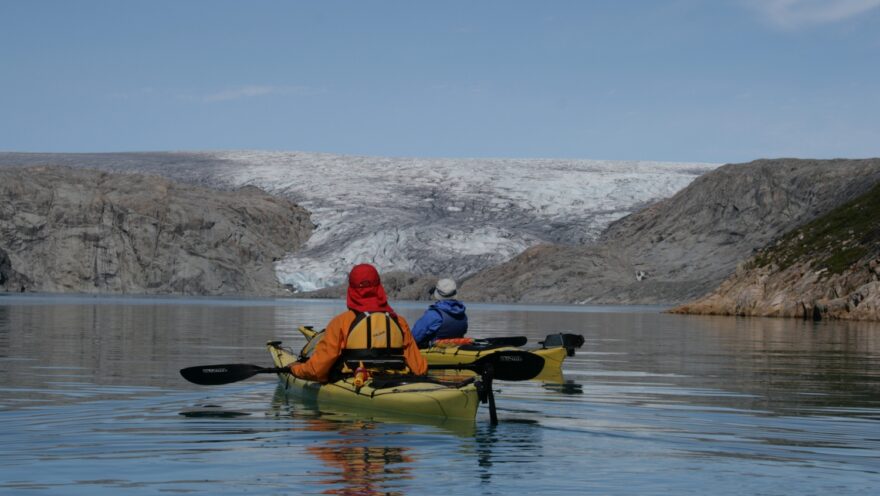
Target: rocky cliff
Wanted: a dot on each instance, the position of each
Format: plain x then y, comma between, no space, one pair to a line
682,247
416,215
828,268
79,230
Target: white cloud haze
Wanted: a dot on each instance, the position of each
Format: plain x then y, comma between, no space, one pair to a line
251,91
799,13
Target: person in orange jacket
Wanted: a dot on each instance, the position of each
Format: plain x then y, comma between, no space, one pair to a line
368,329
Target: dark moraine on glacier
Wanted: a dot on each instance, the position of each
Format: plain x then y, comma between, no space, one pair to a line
424,216
92,403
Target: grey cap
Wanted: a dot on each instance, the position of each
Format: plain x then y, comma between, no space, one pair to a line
445,289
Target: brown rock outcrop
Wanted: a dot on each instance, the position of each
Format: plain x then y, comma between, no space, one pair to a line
798,291
828,268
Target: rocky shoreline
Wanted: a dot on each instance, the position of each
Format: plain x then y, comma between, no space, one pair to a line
798,292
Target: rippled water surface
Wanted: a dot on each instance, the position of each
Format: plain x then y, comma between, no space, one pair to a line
92,403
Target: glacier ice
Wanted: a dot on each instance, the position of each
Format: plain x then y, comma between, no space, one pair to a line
449,217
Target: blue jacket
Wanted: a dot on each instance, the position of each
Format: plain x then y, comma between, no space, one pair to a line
443,319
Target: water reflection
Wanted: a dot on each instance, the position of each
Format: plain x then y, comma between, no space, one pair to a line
361,470
652,403
212,411
512,443
781,366
358,454
564,387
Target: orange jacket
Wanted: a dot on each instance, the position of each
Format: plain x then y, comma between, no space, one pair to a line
318,366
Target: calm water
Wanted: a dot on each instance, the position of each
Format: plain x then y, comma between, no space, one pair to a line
92,403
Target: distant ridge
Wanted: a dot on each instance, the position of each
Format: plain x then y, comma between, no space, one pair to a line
412,216
682,247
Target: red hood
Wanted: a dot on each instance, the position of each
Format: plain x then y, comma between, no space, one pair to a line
365,291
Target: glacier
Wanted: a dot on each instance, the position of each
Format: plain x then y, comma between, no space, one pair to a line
446,217
439,216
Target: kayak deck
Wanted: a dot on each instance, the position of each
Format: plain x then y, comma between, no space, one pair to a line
554,354
553,358
412,397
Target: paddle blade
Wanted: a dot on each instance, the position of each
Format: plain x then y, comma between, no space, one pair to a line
213,375
563,339
568,341
512,365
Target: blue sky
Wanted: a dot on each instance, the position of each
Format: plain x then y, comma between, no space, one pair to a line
677,80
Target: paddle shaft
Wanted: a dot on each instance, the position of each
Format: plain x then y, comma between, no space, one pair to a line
503,341
505,365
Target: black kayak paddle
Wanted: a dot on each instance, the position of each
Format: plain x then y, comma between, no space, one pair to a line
505,365
214,375
508,365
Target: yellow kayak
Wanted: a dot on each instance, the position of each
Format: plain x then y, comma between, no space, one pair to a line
408,396
556,349
380,390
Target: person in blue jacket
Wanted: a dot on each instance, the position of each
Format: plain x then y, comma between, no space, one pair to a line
443,319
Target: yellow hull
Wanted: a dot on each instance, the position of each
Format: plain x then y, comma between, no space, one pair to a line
423,399
553,358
